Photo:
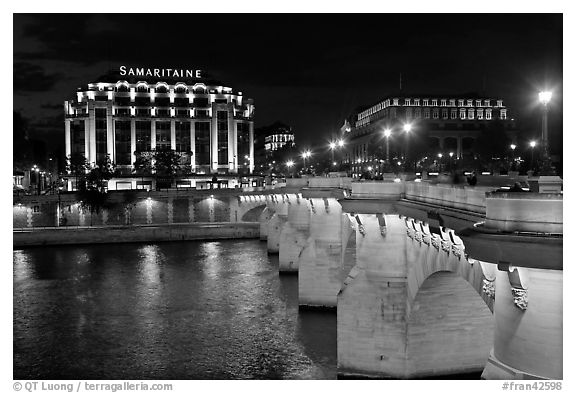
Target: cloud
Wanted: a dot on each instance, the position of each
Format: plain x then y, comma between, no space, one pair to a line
33,78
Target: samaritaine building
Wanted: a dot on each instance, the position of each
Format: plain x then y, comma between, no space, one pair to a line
135,110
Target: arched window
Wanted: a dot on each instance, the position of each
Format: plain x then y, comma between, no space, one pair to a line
181,88
161,88
142,88
122,86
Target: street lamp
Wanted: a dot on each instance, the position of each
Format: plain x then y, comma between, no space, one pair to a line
332,147
340,143
532,145
387,133
545,97
440,155
407,129
305,155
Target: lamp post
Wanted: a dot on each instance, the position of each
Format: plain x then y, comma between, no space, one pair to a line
532,145
387,133
290,164
305,155
545,97
440,162
407,128
332,147
451,154
513,147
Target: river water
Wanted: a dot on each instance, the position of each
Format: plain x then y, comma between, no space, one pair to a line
177,310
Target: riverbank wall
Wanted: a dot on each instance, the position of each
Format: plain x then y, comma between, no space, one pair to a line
131,233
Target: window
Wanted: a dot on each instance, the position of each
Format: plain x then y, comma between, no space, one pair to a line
478,102
434,102
453,114
143,136
470,114
77,136
161,89
123,142
480,114
452,102
162,101
417,101
426,113
488,114
462,114
499,103
182,136
469,103
202,136
142,88
435,113
101,134
460,102
181,101
200,90
222,123
243,135
407,101
142,112
486,102
122,87
425,103
418,113
200,102
503,114
395,101
162,135
445,113
181,89
443,102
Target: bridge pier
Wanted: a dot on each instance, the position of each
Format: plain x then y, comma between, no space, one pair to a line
277,221
294,235
320,273
527,342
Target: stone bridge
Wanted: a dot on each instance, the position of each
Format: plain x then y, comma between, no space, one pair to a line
420,287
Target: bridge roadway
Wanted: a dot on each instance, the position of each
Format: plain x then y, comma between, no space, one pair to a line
428,280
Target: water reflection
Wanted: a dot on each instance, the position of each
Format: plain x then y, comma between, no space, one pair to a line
186,310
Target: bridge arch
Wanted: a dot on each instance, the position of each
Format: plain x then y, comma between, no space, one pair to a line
442,253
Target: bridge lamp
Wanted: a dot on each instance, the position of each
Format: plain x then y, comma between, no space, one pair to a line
289,164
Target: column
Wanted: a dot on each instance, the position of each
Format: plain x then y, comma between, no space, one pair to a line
214,141
132,141
67,138
232,153
110,133
459,147
193,144
153,135
91,155
251,147
87,139
173,134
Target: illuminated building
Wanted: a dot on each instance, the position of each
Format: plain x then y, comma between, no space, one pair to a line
447,123
136,110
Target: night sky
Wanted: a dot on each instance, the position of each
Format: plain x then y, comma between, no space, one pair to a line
309,71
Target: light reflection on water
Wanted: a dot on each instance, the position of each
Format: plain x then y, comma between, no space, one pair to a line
182,310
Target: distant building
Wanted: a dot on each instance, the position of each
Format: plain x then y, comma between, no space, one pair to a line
449,123
141,110
278,135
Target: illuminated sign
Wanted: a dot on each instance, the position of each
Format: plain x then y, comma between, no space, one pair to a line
160,72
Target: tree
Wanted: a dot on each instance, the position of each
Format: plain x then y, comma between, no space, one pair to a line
92,191
143,164
77,166
168,163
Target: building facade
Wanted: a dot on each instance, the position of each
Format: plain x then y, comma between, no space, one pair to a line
122,115
278,136
447,123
